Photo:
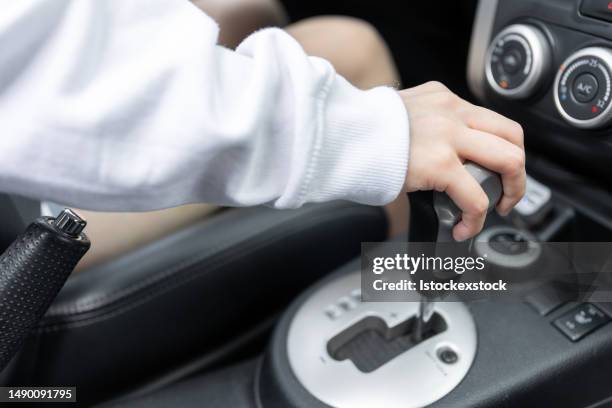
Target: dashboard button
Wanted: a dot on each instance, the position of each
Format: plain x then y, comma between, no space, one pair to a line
581,321
585,88
601,9
517,61
512,61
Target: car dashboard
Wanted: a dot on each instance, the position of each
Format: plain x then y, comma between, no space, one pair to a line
548,64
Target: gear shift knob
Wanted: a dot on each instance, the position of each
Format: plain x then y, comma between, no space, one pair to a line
449,214
32,271
433,214
432,218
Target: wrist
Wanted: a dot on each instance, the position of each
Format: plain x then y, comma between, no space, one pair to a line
362,154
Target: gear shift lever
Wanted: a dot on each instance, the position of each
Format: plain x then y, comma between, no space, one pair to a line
351,353
432,218
32,271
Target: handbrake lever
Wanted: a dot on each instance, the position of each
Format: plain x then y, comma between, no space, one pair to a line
32,271
432,218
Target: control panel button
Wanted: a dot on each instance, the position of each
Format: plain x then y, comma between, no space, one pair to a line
517,60
512,61
509,243
535,205
583,88
537,195
508,247
601,9
581,321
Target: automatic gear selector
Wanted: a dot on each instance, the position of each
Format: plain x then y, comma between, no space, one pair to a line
333,349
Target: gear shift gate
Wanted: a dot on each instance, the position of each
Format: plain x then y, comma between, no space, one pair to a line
374,357
371,343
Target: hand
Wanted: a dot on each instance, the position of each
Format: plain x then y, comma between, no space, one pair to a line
446,131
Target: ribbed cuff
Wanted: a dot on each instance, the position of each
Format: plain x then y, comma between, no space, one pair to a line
362,153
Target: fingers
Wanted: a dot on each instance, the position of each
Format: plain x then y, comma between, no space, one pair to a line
475,117
486,120
500,156
439,120
465,191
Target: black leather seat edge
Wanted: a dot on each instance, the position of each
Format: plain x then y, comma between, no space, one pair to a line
132,319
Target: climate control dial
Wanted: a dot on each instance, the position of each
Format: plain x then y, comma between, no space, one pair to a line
583,88
517,60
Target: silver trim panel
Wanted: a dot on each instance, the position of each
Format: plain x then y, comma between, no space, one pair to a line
483,247
415,378
479,43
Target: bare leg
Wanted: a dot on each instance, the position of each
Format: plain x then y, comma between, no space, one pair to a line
353,46
239,18
360,54
113,234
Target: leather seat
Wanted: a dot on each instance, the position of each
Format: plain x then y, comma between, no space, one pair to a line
189,300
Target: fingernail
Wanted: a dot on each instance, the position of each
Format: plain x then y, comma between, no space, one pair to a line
502,211
460,236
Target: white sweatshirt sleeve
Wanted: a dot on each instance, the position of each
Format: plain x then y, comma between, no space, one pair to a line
130,105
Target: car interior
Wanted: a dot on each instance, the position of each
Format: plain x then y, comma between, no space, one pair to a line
257,307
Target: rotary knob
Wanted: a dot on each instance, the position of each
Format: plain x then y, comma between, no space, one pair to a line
583,88
517,60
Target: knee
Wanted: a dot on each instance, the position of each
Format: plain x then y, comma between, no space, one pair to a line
354,46
361,37
371,60
350,30
367,45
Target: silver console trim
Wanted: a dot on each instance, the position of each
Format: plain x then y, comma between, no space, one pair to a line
415,378
479,43
604,117
540,60
483,247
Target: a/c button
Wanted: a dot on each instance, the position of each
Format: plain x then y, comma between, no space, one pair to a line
585,88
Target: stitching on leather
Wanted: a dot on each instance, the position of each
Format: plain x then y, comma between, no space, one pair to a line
256,382
215,263
155,278
169,280
145,296
158,289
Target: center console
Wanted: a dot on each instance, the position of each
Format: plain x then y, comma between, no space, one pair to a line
548,65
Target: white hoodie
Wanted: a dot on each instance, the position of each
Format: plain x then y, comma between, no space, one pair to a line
130,105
